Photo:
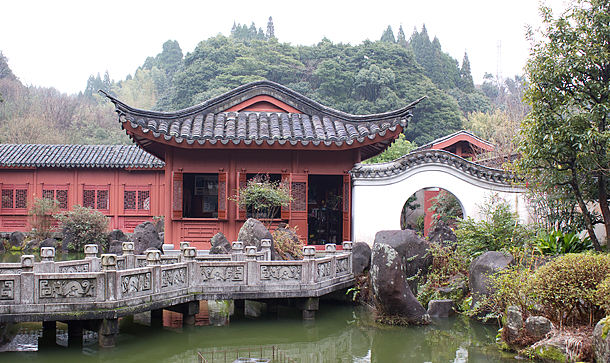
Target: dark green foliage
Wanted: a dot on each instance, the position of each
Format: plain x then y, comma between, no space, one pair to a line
500,229
263,197
88,226
566,137
388,36
445,207
557,243
466,84
447,276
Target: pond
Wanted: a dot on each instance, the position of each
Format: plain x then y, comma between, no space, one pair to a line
340,333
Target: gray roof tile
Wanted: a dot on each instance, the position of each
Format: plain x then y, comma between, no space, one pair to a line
76,156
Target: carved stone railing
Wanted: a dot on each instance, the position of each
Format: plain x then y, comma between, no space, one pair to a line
427,157
107,285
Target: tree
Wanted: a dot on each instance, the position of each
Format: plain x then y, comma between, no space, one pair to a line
566,135
466,83
402,40
401,146
270,29
388,35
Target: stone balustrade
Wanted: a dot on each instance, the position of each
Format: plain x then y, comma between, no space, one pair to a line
111,286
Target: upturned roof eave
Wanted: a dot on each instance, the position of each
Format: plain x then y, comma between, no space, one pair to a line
310,105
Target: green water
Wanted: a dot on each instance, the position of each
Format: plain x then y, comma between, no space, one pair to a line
340,333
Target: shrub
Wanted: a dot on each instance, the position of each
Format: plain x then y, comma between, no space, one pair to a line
445,207
287,243
569,287
41,217
498,231
446,276
264,197
88,226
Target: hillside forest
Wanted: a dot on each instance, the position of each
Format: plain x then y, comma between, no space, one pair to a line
371,77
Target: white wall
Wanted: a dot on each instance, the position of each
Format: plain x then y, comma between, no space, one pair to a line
377,202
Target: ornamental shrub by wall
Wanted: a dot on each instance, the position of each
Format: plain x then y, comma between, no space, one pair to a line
88,226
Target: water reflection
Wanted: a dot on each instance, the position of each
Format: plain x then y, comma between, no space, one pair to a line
339,334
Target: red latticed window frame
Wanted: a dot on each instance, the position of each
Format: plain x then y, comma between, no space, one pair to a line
14,199
58,193
136,200
97,197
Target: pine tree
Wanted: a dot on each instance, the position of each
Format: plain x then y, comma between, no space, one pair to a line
402,40
388,35
270,29
466,83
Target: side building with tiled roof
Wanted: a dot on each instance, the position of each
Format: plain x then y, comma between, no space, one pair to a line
123,182
212,149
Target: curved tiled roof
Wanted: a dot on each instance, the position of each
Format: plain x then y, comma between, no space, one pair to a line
210,123
76,156
429,157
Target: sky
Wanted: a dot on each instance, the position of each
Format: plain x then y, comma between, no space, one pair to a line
61,43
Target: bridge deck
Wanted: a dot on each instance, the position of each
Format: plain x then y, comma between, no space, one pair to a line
115,286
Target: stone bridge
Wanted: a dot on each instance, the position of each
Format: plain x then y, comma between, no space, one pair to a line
381,190
93,293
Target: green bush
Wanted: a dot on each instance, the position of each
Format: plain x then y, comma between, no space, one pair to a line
573,289
40,215
500,229
264,197
567,288
88,226
446,276
287,243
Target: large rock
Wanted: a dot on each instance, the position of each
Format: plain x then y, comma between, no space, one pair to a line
392,293
31,245
479,271
601,345
67,239
361,258
16,239
514,322
251,234
145,236
441,308
220,245
413,252
115,241
49,242
442,233
538,326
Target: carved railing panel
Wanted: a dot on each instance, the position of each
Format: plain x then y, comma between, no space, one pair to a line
281,273
174,278
136,284
61,290
342,266
222,274
7,288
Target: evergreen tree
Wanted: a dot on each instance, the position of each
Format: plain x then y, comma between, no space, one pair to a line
388,35
402,40
270,29
466,83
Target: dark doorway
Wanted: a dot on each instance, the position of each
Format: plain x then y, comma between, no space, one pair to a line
325,218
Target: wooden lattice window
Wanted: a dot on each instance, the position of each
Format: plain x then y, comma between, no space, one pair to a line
58,193
14,198
299,196
136,200
96,197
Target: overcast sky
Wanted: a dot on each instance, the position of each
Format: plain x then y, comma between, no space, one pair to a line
60,43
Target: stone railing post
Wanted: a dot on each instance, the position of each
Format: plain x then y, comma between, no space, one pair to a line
183,245
188,255
91,251
47,256
237,251
109,267
330,249
153,260
309,263
347,248
252,265
130,259
27,279
266,248
91,254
